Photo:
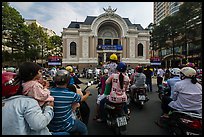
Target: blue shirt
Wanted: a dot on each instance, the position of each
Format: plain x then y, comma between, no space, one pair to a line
64,98
171,83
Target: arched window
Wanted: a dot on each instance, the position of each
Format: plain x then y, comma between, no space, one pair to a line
72,48
140,49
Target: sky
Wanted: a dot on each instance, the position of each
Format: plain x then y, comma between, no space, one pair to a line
58,15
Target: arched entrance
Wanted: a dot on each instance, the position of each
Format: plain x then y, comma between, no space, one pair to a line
109,40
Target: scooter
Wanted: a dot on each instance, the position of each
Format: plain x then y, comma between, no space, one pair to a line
138,96
182,123
164,90
116,117
83,112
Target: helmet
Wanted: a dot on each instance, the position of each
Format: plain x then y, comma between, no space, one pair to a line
175,71
62,77
189,64
188,71
69,68
113,57
139,69
8,84
121,67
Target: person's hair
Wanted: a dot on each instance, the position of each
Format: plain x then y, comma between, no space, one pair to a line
194,80
28,70
121,78
148,67
71,88
140,70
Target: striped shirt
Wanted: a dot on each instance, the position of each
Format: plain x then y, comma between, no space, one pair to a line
63,100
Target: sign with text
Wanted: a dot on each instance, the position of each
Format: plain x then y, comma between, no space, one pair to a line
109,47
155,61
54,60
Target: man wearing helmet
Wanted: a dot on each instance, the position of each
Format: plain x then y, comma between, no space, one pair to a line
187,94
73,78
63,120
175,73
113,64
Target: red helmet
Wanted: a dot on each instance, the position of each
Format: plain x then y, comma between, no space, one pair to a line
8,84
138,68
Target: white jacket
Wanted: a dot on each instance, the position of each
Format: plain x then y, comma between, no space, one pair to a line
22,115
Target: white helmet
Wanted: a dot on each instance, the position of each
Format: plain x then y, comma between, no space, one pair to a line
188,71
175,71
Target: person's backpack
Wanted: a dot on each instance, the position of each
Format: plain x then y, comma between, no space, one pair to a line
71,82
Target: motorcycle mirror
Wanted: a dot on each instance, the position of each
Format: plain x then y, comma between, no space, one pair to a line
89,84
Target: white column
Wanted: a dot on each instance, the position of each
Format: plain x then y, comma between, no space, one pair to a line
104,56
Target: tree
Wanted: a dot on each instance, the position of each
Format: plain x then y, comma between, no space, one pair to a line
12,24
56,45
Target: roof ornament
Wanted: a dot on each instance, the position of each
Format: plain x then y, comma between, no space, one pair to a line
109,10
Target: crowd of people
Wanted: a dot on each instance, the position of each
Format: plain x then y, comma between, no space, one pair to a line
32,105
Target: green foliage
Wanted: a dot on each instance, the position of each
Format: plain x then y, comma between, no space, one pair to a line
184,26
30,42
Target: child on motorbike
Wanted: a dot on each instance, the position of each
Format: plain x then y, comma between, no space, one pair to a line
33,84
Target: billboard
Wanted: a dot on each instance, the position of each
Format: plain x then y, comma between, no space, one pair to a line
54,61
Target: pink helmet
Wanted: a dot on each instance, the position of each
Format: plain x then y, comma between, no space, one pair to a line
190,64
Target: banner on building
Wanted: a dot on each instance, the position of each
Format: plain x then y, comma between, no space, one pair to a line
155,61
110,47
54,61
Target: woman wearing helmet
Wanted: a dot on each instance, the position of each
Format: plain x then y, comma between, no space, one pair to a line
63,102
139,81
22,115
120,82
175,77
187,93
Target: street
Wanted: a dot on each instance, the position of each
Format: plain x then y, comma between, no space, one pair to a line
141,121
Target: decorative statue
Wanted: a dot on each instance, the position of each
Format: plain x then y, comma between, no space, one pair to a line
110,10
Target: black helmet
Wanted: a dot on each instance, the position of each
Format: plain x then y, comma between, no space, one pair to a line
62,77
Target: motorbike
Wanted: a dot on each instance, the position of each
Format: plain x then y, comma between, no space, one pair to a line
83,112
116,117
164,90
138,96
182,123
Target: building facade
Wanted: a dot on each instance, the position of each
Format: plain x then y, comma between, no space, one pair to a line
49,32
90,43
188,52
164,9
